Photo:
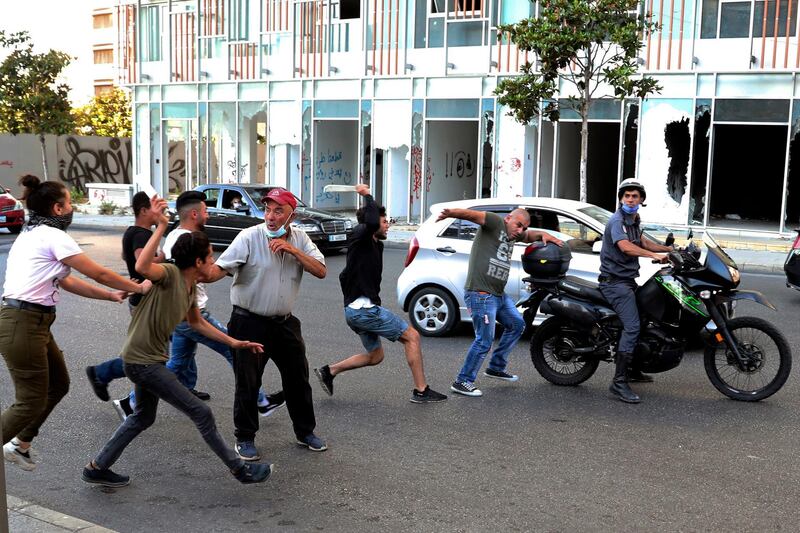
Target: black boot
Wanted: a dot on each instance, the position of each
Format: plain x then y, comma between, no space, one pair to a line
619,385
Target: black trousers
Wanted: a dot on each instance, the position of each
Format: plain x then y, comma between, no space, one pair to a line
283,343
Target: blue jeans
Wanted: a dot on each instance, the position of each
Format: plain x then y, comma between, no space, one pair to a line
184,348
486,309
154,382
372,323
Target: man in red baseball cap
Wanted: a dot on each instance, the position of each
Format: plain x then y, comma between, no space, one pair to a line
267,262
281,196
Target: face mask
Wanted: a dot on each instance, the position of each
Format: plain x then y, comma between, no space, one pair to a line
61,222
630,210
280,232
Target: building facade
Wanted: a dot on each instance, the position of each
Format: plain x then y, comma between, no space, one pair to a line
399,94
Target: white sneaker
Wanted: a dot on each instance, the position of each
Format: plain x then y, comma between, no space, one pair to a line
13,454
465,388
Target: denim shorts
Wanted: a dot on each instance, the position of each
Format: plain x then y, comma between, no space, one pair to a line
371,323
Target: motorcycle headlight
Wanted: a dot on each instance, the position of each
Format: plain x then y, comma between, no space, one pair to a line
308,228
734,275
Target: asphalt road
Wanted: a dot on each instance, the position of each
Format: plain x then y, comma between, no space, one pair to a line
527,456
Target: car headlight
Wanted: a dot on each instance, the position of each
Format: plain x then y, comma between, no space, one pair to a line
348,225
308,228
18,205
734,275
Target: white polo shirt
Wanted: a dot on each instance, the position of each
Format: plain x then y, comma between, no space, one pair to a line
169,242
265,283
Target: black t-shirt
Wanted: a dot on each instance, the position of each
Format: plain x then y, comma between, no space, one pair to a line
134,238
362,273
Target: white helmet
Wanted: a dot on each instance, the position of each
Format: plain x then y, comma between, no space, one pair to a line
631,183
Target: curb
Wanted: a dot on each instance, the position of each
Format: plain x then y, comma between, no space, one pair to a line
20,510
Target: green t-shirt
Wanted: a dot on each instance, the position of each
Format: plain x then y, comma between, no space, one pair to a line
156,316
490,258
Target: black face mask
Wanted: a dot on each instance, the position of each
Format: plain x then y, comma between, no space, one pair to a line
61,222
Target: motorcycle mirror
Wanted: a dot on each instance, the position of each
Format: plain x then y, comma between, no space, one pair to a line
670,239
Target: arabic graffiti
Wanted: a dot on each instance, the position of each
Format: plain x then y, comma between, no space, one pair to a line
7,163
330,171
88,164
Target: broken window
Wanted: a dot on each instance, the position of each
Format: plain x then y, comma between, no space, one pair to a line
702,130
678,141
792,218
349,9
630,138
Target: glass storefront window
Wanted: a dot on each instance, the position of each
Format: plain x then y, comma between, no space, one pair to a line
284,144
222,143
455,108
741,110
336,109
252,142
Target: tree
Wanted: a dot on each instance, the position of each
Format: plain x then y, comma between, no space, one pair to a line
31,100
108,115
589,44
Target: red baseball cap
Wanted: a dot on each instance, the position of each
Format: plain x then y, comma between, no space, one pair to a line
281,196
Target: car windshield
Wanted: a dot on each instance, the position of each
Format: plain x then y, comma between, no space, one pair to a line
256,193
654,232
597,213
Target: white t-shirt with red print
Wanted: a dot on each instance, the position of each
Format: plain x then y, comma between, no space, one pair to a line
34,269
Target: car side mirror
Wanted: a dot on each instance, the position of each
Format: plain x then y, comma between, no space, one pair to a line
245,209
597,246
670,239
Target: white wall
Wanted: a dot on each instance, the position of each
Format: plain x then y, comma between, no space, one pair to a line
73,159
452,152
335,162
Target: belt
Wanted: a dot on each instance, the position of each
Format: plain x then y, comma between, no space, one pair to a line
28,306
241,311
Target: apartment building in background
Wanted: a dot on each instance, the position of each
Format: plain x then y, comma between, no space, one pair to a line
399,94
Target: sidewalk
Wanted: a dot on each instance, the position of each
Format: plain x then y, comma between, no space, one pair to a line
752,254
30,518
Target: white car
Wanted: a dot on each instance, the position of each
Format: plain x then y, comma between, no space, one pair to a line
431,288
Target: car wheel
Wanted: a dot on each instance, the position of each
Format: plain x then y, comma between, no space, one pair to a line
15,229
433,312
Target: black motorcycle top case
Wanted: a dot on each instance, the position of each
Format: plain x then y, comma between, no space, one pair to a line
546,261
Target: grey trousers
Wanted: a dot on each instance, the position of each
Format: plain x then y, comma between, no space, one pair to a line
157,381
621,294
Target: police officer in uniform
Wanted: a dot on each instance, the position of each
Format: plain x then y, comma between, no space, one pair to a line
623,245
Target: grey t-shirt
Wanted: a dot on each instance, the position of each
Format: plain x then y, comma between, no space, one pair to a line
613,261
265,283
490,258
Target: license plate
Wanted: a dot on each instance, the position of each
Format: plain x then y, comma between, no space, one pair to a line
3,219
337,237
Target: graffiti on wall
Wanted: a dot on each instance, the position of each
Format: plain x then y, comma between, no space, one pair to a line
330,171
82,164
458,164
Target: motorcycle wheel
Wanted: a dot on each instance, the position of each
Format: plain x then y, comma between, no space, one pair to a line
553,358
770,361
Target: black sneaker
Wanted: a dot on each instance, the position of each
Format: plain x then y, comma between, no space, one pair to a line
200,395
499,374
100,389
123,407
106,477
325,378
253,473
465,388
274,402
427,396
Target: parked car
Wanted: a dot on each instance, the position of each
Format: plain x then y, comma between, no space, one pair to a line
431,288
792,264
12,212
232,208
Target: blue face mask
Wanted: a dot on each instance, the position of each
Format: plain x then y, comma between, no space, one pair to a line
280,232
630,210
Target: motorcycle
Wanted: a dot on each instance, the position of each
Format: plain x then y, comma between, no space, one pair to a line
746,358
